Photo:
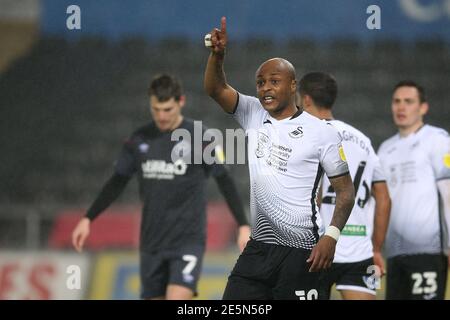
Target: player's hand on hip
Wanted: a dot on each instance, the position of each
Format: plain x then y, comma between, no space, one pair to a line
80,234
322,254
243,237
379,262
219,38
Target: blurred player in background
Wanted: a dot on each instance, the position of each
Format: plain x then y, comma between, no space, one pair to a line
417,163
356,253
288,152
173,229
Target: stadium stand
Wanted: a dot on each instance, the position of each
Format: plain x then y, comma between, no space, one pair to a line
69,104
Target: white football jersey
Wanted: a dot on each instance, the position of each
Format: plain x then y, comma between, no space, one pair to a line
412,165
355,242
287,159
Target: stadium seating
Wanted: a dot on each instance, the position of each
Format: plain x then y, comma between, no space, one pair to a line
67,106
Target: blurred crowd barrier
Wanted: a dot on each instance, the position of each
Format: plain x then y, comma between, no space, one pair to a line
59,275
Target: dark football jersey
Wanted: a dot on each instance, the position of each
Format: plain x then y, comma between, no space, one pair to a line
172,185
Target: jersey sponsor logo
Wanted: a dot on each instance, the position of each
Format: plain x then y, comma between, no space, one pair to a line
279,157
160,169
297,133
447,160
143,147
354,230
403,172
342,153
263,145
276,156
409,171
393,176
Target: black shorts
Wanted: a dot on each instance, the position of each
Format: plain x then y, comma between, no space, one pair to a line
354,276
180,266
416,277
267,271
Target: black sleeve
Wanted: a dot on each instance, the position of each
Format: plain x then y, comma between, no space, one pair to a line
110,191
229,191
125,164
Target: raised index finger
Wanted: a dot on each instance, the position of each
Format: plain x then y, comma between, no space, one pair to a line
223,25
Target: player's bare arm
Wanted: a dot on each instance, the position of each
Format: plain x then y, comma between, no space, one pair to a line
345,199
80,233
381,221
215,82
243,236
323,253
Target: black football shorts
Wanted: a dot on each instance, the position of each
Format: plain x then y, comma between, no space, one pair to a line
416,277
352,276
179,266
268,271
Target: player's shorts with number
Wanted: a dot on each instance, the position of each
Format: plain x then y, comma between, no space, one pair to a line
179,266
417,277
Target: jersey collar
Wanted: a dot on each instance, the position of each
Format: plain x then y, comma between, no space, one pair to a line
270,119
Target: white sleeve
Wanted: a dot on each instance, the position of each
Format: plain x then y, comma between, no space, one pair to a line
331,153
440,156
444,190
246,111
378,173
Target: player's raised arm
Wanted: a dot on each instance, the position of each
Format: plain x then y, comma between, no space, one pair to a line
215,82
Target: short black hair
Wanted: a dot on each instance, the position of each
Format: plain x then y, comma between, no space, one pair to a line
321,87
410,83
164,87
